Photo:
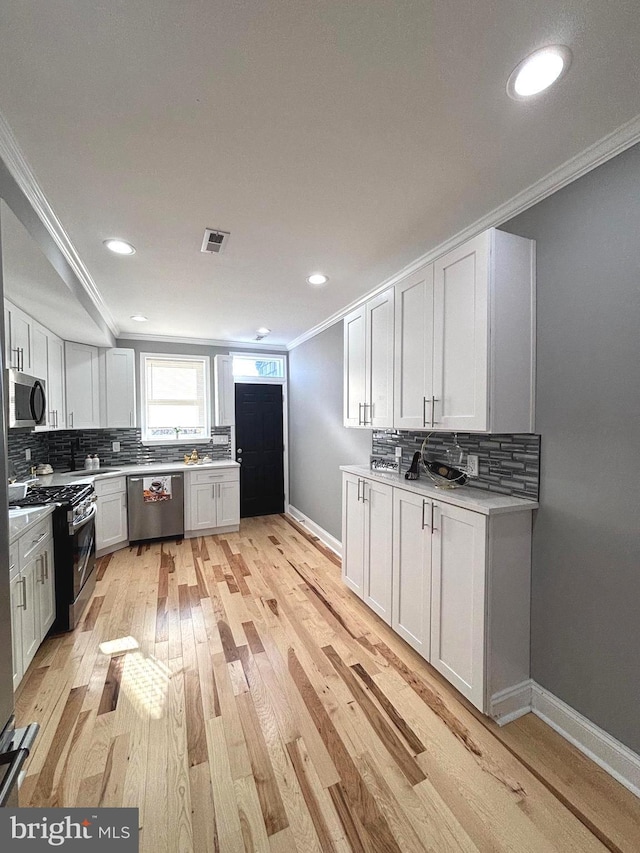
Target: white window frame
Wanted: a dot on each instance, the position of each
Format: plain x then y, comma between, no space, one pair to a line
171,442
262,380
269,380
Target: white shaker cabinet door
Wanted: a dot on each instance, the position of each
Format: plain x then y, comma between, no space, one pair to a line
83,392
458,598
55,382
224,398
378,412
353,533
461,334
120,390
413,363
202,506
45,586
228,504
378,558
354,368
17,607
111,520
411,617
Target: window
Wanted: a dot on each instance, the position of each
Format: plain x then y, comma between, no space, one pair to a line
258,366
175,398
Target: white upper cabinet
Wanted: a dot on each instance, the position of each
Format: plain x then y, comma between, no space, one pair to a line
414,350
56,416
368,359
18,332
224,396
354,368
465,340
39,356
120,387
379,361
460,337
82,383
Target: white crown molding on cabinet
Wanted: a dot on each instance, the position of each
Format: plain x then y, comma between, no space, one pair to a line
22,173
206,342
595,155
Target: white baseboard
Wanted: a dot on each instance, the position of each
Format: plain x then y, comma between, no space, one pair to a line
330,541
507,705
607,752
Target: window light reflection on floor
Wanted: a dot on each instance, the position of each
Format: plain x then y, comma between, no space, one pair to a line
145,680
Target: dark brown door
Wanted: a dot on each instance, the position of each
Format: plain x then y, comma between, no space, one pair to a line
260,449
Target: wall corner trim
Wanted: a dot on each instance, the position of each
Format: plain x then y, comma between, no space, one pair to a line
614,757
513,702
330,541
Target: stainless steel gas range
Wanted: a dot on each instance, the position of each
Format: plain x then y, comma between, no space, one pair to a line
74,543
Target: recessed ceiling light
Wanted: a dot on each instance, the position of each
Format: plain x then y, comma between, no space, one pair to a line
538,71
263,331
139,318
317,278
120,247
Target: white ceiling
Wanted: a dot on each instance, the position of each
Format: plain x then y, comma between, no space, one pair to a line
343,137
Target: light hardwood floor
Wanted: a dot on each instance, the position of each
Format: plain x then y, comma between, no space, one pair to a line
236,693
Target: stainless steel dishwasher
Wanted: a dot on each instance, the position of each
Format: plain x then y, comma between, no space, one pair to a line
155,506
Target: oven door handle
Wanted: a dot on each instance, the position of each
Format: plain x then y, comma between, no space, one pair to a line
84,520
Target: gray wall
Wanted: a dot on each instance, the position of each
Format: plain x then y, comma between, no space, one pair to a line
586,552
318,443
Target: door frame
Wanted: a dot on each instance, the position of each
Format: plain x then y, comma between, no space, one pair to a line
266,380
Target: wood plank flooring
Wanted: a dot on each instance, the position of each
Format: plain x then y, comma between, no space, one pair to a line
234,691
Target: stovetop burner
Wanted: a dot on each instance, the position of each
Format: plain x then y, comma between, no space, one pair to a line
69,495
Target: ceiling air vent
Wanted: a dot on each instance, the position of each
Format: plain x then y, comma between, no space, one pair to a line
214,242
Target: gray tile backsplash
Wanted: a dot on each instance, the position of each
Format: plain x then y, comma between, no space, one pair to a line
55,448
508,464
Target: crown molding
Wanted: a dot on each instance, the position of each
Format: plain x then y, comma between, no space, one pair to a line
207,342
595,155
24,177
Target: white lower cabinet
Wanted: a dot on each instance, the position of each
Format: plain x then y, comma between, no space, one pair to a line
452,582
111,517
368,506
212,501
458,571
32,584
411,612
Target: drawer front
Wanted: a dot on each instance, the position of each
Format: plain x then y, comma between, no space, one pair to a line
33,539
14,560
110,486
219,475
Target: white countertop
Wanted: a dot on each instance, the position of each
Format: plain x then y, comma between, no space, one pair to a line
488,503
125,470
20,520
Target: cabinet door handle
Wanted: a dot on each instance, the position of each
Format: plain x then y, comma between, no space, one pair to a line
56,411
71,419
359,481
23,581
360,406
433,509
364,491
370,407
424,523
46,565
39,539
434,400
41,559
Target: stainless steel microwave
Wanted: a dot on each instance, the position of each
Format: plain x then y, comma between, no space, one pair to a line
27,400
